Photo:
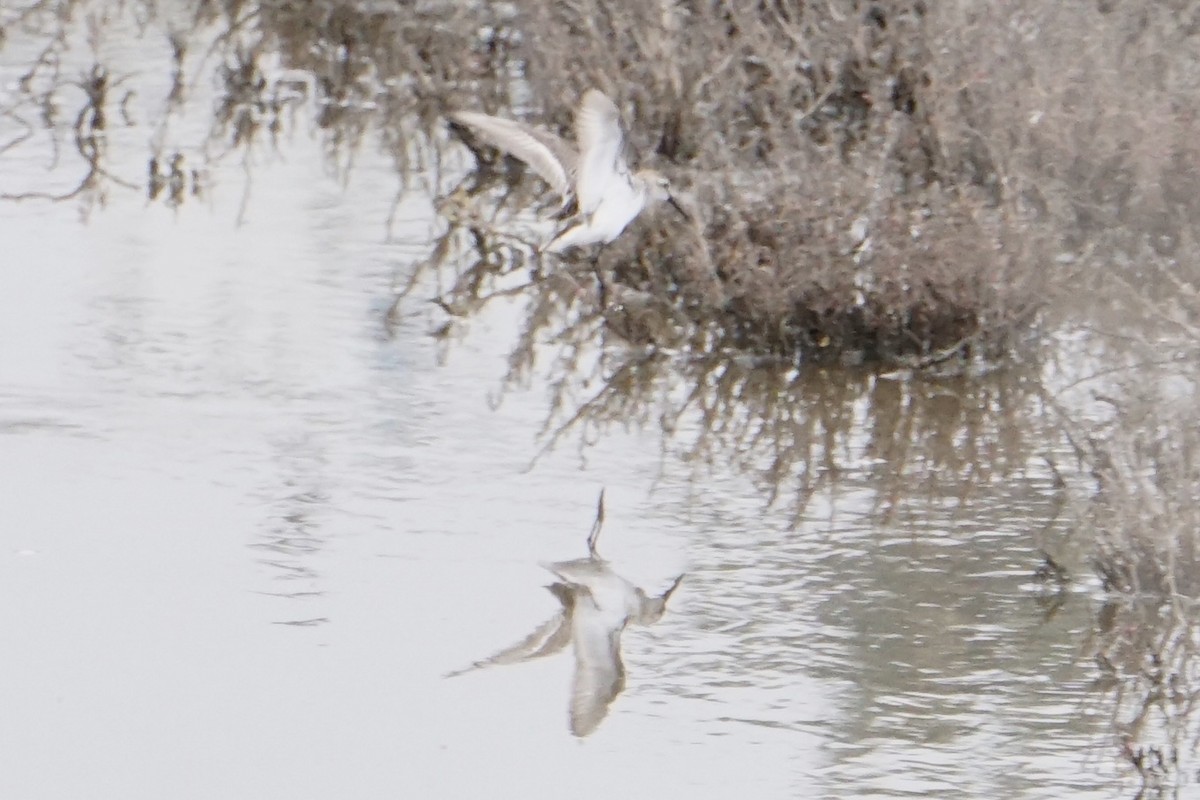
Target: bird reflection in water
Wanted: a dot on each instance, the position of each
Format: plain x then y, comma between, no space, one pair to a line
595,605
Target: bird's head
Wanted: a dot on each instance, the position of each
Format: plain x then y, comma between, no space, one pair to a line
658,189
657,184
652,608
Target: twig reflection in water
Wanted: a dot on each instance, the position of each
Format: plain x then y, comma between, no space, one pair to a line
595,606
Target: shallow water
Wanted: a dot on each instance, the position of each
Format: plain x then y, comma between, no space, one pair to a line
248,528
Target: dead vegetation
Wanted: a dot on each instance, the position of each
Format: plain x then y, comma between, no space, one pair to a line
897,182
832,227
1146,642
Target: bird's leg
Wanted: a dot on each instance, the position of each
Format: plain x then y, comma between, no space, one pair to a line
596,526
536,271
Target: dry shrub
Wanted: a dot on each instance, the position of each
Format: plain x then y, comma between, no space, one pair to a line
886,181
783,277
719,84
1135,426
1146,644
1080,110
823,229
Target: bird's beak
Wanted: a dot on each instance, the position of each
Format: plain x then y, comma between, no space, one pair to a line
671,199
671,590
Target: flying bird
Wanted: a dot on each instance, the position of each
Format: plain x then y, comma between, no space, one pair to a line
595,606
595,178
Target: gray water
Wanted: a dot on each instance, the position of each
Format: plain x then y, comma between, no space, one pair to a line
247,528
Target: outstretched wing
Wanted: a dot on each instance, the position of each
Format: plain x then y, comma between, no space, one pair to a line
562,150
599,671
545,153
549,637
601,141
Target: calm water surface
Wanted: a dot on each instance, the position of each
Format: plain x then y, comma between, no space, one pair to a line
247,529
